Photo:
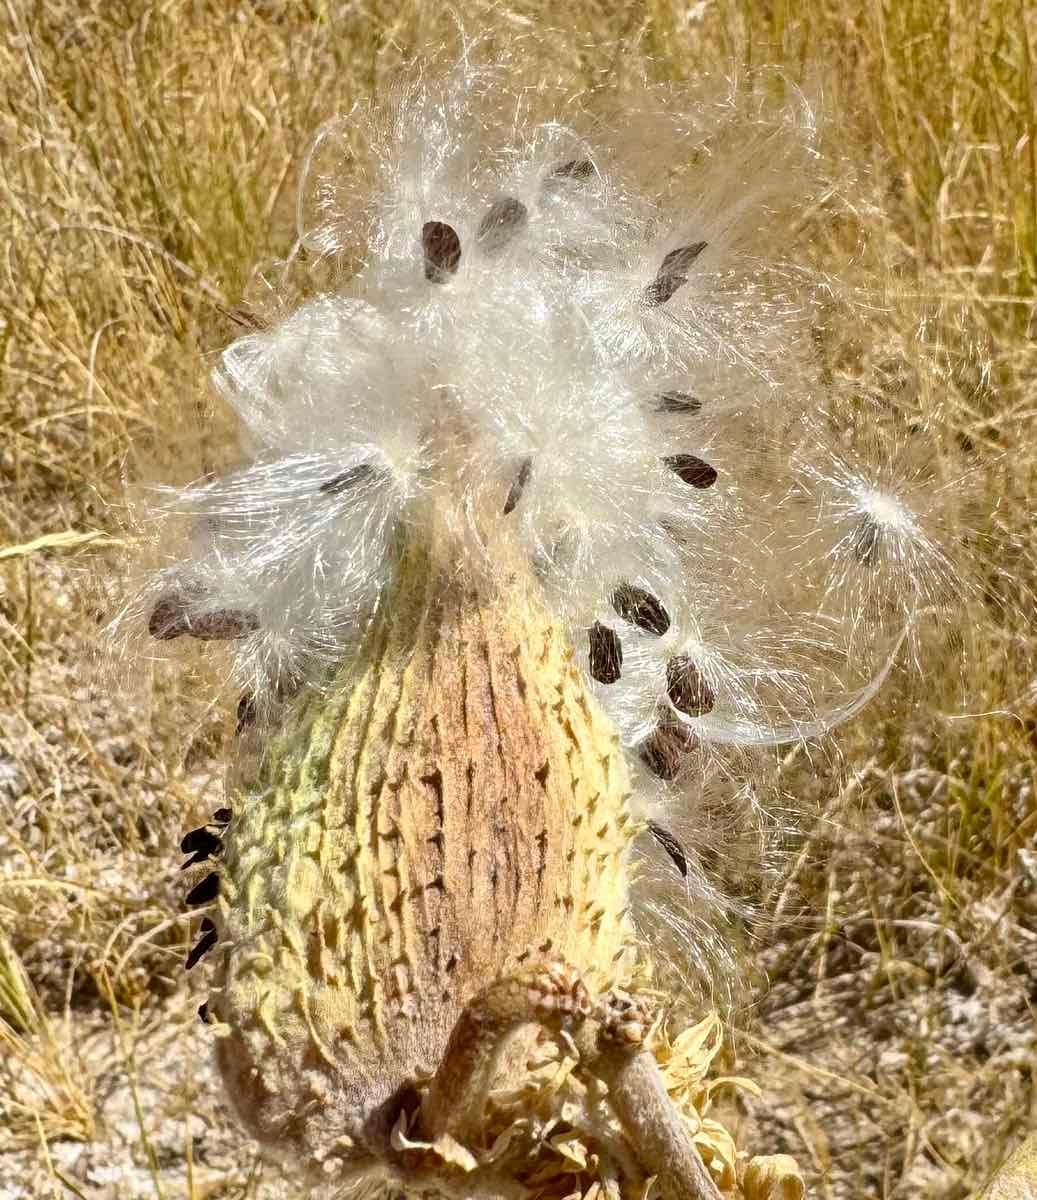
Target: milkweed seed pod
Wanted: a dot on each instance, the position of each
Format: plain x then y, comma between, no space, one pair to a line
544,526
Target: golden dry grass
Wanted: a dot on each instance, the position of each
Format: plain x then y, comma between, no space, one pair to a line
147,158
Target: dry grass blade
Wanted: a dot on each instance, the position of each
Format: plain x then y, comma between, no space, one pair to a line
47,1094
67,539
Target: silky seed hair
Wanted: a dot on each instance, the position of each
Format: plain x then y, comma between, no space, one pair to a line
575,350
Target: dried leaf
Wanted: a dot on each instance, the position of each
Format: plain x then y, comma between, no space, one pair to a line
773,1177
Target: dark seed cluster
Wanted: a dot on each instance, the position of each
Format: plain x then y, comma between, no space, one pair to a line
202,844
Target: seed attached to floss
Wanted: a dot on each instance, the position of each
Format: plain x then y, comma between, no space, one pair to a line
687,687
168,618
694,471
503,220
247,712
678,402
223,625
442,249
865,541
671,845
606,653
574,168
666,749
640,608
673,273
353,477
518,485
172,618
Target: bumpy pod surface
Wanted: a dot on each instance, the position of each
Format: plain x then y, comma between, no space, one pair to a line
542,500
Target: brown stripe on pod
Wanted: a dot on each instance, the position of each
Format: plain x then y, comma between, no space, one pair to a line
865,540
640,608
206,891
671,845
678,402
442,249
606,653
518,485
694,471
351,478
204,944
666,749
222,624
503,220
687,688
673,273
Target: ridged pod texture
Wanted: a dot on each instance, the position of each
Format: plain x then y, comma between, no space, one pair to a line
453,807
574,355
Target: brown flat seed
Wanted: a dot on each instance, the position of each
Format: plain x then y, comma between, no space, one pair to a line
204,944
606,653
203,1013
574,168
503,220
687,688
640,608
361,473
222,816
442,249
865,540
518,485
678,402
670,844
247,711
168,618
665,750
206,891
693,470
222,624
673,273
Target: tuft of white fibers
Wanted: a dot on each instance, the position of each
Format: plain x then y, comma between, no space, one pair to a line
582,344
